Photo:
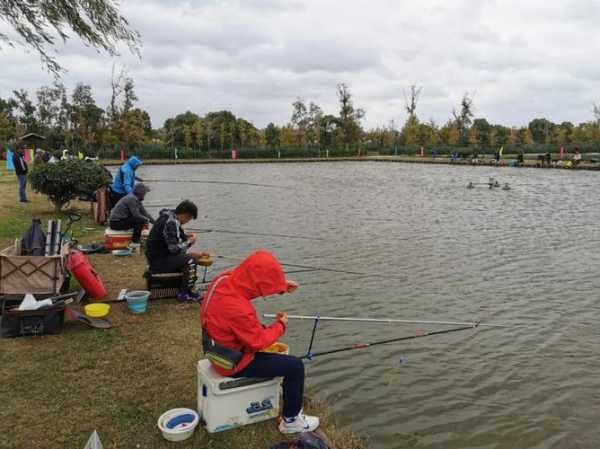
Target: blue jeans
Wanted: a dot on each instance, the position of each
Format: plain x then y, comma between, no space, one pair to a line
22,187
278,365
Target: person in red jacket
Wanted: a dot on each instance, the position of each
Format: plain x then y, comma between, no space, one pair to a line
234,337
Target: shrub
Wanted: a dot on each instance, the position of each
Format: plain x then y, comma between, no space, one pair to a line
66,180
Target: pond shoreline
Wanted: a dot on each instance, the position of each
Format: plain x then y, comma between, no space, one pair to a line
529,163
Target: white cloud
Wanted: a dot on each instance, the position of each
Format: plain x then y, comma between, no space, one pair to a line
523,59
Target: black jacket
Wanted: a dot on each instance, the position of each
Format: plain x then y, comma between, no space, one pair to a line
166,238
20,164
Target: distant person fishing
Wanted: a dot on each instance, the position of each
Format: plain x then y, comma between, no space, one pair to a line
124,179
130,213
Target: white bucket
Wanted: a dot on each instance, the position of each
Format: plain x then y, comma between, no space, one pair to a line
179,432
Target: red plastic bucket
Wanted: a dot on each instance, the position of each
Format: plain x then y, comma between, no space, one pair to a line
88,278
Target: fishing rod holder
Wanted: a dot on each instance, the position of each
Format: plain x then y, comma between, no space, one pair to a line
309,353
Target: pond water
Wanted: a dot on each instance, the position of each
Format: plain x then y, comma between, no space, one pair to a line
435,250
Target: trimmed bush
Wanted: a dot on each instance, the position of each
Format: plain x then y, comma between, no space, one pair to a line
67,180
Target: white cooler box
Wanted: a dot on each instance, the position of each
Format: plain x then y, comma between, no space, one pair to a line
226,403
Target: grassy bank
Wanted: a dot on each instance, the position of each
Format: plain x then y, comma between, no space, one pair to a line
485,160
56,390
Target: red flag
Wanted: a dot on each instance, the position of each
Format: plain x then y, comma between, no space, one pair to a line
562,152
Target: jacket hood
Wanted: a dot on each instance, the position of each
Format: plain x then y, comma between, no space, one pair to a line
260,274
166,212
134,162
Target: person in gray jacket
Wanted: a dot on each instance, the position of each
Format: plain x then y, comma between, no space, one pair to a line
130,213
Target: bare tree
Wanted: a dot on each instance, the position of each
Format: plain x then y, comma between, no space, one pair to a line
596,110
130,96
412,99
116,84
464,118
350,117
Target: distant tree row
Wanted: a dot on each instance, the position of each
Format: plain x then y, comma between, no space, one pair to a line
74,121
463,130
215,131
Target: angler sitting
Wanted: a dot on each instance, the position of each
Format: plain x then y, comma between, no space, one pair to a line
130,213
168,247
124,179
233,337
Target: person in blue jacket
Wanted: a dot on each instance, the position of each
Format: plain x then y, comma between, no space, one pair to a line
124,179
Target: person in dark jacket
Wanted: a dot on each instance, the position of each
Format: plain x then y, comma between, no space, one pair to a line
21,170
168,247
130,213
124,179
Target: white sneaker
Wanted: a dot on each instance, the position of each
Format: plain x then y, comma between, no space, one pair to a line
134,247
300,424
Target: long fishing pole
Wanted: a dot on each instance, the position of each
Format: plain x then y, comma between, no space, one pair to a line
381,320
200,181
156,206
311,270
329,270
311,355
227,231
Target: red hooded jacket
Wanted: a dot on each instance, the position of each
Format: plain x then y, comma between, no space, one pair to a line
229,317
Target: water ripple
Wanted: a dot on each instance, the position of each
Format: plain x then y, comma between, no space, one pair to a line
527,257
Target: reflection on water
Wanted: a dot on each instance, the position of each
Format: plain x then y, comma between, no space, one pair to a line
527,257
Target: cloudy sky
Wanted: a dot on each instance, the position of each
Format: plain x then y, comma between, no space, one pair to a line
522,59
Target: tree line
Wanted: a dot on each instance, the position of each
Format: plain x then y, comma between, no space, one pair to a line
463,130
75,121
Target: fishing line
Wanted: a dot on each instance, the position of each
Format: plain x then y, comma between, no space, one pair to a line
231,267
227,231
328,281
329,270
199,181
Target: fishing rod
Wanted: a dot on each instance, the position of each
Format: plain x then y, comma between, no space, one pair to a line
199,181
381,320
226,231
154,206
329,270
300,271
310,355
